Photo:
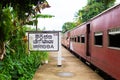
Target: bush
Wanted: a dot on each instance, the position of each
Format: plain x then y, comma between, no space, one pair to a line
20,66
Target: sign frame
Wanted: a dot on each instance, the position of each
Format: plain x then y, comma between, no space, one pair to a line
43,32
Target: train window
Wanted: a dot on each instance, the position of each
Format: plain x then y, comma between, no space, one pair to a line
114,36
72,39
98,36
78,38
75,39
82,39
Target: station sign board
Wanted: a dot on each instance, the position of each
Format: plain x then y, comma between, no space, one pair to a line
43,41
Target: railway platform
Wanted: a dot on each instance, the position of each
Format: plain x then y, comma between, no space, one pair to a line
71,69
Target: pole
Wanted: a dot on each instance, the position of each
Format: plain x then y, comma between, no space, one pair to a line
59,64
36,23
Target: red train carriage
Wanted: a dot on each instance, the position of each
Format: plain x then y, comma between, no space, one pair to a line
105,41
66,39
98,41
77,41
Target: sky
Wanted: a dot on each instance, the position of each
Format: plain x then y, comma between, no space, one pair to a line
63,10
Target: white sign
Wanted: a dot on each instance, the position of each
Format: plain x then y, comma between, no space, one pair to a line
43,41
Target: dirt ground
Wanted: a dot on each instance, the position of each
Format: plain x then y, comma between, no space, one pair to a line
71,69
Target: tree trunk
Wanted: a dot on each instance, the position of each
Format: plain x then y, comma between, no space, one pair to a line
2,50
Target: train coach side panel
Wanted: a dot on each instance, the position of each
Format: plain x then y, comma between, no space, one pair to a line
103,56
66,39
78,47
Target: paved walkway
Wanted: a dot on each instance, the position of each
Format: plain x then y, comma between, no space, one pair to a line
72,69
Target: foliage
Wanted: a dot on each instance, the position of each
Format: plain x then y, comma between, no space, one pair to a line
6,23
67,26
20,66
93,8
43,16
30,28
90,11
21,7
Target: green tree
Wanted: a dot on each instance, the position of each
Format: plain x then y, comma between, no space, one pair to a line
67,26
106,3
93,8
6,27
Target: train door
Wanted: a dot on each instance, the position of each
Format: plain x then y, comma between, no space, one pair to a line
88,54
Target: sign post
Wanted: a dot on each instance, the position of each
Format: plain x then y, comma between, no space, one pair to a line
59,64
45,41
